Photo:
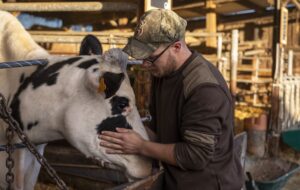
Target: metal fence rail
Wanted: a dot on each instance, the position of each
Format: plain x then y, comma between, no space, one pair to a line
13,64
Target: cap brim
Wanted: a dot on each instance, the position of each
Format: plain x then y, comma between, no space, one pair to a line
138,49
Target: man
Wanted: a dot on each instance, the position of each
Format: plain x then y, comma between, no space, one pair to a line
191,107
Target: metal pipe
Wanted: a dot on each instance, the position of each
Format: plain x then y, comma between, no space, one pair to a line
12,64
68,6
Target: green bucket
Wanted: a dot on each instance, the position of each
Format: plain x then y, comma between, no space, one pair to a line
292,138
269,174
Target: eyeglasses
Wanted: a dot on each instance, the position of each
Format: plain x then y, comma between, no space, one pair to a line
152,59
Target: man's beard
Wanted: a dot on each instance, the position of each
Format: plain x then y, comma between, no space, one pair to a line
169,68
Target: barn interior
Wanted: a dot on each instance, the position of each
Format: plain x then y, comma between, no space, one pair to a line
254,43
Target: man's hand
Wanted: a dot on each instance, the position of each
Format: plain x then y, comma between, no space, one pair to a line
124,141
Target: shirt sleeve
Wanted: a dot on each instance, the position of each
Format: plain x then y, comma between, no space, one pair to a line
204,112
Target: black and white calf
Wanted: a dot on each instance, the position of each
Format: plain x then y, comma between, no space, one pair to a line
72,97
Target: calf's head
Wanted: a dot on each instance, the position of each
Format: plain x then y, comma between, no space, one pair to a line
105,101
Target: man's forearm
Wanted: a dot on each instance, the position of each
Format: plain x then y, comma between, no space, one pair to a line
151,134
163,152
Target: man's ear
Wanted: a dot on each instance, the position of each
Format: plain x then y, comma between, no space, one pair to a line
107,83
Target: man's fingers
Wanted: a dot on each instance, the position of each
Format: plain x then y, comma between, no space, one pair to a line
123,130
111,145
111,139
111,134
112,151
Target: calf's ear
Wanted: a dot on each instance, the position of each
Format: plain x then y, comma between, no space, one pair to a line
90,45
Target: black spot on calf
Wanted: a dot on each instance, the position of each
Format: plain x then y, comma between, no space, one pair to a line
111,123
32,124
113,82
49,75
88,63
118,104
22,77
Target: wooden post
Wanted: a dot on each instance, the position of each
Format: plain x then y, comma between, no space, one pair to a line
219,47
290,63
254,86
278,108
211,23
234,61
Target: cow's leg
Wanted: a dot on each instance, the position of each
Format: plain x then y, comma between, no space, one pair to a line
26,169
33,169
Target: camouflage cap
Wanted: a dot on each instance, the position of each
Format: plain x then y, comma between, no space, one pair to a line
156,27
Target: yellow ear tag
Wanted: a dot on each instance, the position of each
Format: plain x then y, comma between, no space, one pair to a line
102,85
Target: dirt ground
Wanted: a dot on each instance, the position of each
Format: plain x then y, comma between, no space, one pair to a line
289,154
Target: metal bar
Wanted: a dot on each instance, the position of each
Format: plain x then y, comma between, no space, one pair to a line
94,174
135,62
16,146
12,64
68,6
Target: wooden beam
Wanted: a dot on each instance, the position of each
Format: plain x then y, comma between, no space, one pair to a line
97,19
68,6
253,5
211,23
189,6
234,62
119,38
297,3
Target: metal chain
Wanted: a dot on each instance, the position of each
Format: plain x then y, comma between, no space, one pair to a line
14,126
9,177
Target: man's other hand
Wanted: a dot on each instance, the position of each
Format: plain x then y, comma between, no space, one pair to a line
124,141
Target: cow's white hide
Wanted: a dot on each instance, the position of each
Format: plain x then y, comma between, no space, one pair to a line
71,108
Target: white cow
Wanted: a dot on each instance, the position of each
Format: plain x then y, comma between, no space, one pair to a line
72,97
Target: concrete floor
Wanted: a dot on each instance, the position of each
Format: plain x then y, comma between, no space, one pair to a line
293,183
291,155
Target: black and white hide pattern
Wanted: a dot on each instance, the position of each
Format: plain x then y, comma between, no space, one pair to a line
72,98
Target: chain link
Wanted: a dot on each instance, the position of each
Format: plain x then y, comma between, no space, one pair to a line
9,160
14,126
